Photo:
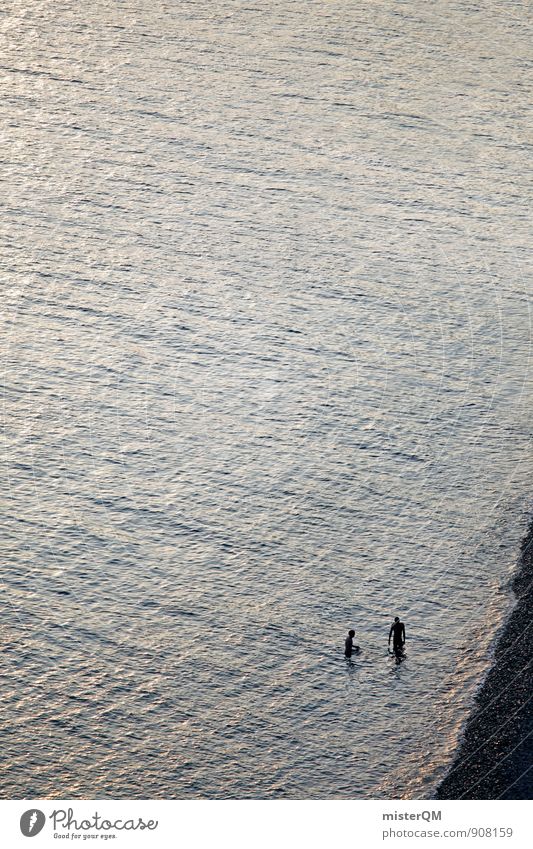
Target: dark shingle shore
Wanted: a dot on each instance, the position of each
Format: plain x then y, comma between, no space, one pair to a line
495,758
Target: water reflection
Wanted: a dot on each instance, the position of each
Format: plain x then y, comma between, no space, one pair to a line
257,376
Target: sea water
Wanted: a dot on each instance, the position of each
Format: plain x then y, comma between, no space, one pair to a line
265,377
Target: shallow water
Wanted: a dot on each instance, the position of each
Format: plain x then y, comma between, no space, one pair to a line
265,377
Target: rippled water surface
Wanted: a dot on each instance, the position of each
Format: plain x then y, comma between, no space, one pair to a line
265,377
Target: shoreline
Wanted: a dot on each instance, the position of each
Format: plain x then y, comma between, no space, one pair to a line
495,755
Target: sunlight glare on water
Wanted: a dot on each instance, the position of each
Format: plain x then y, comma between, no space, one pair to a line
265,377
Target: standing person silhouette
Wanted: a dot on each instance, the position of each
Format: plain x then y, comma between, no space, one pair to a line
348,644
397,632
